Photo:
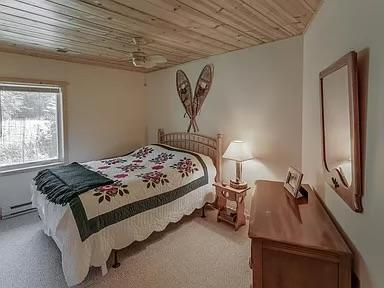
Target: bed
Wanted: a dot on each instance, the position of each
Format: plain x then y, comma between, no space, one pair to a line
153,186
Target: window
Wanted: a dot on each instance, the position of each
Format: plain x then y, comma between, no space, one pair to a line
30,125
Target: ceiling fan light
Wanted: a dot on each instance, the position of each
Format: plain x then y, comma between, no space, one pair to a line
142,62
138,61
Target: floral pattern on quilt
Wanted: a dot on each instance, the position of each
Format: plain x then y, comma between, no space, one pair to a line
185,167
153,178
142,152
109,162
131,167
108,192
103,167
120,176
150,170
162,158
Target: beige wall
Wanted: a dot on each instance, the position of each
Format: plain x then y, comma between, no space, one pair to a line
105,113
266,95
341,26
256,96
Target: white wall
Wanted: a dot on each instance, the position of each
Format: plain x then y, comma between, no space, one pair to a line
339,27
105,113
256,96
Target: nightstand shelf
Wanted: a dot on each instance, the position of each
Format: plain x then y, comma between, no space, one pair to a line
229,215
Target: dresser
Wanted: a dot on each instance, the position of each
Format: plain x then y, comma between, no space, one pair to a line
295,244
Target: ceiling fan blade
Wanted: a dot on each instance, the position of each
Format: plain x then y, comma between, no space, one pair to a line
149,65
141,64
158,59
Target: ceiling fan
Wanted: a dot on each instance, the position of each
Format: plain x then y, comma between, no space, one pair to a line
141,59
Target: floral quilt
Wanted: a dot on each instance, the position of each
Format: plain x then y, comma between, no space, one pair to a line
147,178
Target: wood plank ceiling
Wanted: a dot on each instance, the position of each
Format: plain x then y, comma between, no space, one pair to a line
100,32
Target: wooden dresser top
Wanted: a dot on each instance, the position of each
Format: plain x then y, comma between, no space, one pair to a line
277,216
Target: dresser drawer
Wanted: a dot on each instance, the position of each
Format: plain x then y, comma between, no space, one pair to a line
277,265
286,270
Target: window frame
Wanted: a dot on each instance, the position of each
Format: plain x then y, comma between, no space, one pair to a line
61,128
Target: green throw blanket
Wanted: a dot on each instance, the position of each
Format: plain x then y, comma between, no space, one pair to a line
62,184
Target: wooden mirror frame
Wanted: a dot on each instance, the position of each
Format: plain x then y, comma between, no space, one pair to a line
352,193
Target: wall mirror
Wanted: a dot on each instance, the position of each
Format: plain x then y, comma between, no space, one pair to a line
341,129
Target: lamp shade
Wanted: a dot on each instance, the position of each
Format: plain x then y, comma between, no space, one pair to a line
238,151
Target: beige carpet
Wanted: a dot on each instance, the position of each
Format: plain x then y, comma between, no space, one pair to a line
195,252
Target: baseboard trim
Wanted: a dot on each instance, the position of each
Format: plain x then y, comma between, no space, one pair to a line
20,205
19,213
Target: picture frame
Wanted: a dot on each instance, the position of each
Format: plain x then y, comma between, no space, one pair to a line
293,181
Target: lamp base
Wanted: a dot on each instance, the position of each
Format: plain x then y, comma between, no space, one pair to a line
238,185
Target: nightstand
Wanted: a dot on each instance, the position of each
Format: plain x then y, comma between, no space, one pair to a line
224,193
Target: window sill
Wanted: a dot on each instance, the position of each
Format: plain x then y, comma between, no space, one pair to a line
33,168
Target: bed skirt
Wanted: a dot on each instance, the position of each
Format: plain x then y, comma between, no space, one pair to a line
78,256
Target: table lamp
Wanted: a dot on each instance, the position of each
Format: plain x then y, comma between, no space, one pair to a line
239,152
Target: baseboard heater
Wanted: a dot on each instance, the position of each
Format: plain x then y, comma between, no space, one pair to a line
18,210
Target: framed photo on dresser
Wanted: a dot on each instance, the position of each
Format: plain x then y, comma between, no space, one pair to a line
293,181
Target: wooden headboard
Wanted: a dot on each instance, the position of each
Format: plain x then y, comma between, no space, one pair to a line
209,146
